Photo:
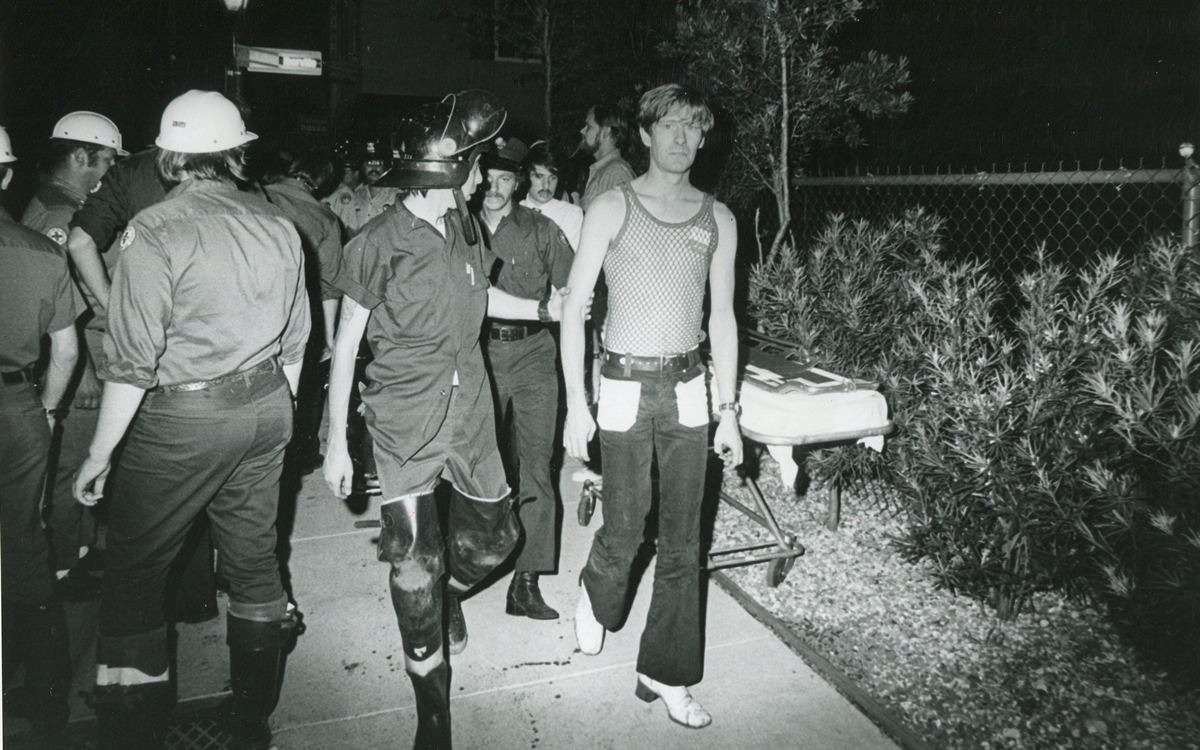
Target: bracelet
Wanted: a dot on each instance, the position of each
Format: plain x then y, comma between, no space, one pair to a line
732,406
544,310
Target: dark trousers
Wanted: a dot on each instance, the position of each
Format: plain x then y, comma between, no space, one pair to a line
527,392
71,524
672,645
310,402
25,575
219,451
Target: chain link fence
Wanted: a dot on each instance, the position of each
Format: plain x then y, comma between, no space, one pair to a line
1004,216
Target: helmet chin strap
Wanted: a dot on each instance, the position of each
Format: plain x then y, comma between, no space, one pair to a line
469,233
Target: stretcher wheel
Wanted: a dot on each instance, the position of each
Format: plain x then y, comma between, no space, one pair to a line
587,502
778,569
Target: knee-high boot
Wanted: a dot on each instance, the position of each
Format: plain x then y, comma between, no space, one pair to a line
433,708
255,661
132,717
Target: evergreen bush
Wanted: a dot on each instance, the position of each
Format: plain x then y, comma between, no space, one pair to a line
1050,448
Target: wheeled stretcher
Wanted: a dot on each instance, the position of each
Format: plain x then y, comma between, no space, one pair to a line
786,402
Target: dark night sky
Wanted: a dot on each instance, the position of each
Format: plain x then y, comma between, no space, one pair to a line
994,80
1037,80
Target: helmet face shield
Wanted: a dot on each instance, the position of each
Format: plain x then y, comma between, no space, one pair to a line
430,143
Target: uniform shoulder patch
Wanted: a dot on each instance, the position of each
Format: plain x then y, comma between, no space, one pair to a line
58,234
127,237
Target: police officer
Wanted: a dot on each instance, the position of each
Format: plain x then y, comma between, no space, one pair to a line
294,193
416,285
207,325
82,148
530,255
358,204
35,299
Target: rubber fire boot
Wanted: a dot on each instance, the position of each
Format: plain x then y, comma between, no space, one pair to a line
255,657
525,598
254,681
132,717
433,708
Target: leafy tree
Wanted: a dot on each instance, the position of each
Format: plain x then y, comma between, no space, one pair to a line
772,65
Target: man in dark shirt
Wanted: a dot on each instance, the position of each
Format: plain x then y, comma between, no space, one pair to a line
35,299
416,286
530,254
320,233
82,148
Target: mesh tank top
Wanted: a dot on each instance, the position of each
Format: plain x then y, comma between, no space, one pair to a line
656,273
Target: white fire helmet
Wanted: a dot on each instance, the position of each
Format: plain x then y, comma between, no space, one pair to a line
89,127
202,122
6,154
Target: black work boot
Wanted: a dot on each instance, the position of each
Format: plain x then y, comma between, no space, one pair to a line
525,598
433,708
132,717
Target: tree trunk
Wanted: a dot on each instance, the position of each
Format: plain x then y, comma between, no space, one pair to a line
782,177
547,66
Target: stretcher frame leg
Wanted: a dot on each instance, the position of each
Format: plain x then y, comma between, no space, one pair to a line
783,550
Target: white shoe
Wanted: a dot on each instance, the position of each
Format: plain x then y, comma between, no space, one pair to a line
682,708
586,475
589,633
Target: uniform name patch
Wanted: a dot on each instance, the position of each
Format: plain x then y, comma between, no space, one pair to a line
127,237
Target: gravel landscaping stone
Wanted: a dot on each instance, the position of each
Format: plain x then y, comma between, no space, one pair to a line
1057,677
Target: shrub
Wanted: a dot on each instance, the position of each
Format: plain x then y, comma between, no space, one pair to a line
1050,448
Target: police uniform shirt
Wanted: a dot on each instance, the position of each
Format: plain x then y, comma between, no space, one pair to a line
319,231
209,282
128,187
35,293
428,297
357,206
532,253
567,216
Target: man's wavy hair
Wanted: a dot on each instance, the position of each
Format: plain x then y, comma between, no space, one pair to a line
610,116
656,103
229,164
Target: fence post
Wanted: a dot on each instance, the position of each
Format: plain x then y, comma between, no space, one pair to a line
1191,196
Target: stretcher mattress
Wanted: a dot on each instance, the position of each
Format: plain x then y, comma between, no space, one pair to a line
789,403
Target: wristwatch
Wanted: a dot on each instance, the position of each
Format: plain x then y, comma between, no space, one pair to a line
732,406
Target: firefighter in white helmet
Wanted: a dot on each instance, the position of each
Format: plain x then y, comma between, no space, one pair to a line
82,148
207,325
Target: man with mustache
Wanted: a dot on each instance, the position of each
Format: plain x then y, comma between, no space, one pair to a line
355,206
541,173
530,256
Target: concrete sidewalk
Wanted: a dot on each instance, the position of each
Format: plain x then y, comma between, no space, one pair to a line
520,683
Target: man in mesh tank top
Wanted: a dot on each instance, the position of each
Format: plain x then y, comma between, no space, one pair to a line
658,240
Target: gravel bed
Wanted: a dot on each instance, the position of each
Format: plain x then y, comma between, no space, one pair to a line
1057,677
